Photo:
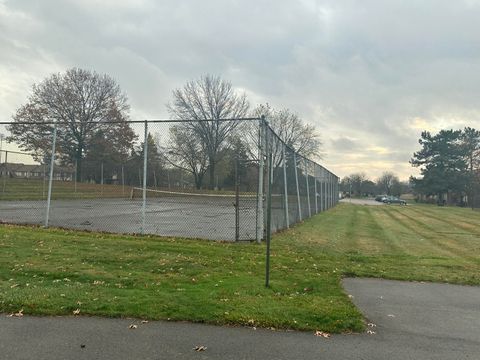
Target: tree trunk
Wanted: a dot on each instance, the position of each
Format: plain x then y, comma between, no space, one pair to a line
198,181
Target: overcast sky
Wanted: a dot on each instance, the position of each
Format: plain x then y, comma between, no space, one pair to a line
370,75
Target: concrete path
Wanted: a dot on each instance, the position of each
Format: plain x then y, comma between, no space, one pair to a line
413,321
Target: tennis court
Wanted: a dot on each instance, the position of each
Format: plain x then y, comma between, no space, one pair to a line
204,217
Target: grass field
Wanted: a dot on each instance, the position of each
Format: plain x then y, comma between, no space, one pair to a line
57,271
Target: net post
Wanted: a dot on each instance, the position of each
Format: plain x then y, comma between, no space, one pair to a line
287,220
144,194
261,168
50,180
296,183
101,178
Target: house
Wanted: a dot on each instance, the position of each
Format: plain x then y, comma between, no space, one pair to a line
35,171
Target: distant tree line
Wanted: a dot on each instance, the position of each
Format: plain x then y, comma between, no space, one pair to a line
449,163
358,184
95,138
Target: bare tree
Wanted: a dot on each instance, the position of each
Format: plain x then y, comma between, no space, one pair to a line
185,151
80,102
355,182
290,129
209,98
389,183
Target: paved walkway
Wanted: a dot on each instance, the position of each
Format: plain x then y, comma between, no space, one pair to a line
413,321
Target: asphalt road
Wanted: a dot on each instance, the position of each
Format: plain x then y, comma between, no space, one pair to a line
412,321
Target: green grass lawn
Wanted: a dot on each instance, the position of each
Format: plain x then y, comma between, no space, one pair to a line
58,271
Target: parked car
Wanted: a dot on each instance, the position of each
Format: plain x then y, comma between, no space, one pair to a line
394,200
380,198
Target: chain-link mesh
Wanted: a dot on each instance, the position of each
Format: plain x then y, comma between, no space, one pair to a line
169,179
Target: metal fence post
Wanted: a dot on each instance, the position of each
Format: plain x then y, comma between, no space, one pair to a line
285,185
269,220
6,173
52,164
308,187
101,178
261,165
144,195
237,201
296,183
315,172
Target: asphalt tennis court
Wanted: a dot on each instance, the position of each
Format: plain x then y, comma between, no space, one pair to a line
192,217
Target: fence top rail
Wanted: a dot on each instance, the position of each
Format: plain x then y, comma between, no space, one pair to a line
132,121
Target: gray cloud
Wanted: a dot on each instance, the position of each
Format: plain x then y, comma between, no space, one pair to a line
369,75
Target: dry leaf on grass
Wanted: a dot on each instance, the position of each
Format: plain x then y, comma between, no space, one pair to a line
76,312
322,334
17,314
200,348
132,326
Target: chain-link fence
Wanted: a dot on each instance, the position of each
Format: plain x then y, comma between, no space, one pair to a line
209,179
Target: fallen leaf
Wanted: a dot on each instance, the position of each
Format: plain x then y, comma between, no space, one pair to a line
76,312
371,325
200,348
322,334
391,315
132,326
17,314
144,321
370,332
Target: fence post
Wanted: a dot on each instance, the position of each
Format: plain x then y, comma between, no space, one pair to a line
287,220
308,187
6,173
296,183
101,178
237,201
50,180
144,195
261,165
330,183
123,182
315,172
269,220
75,180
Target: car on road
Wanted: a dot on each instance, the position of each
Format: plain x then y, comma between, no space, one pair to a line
380,198
393,200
